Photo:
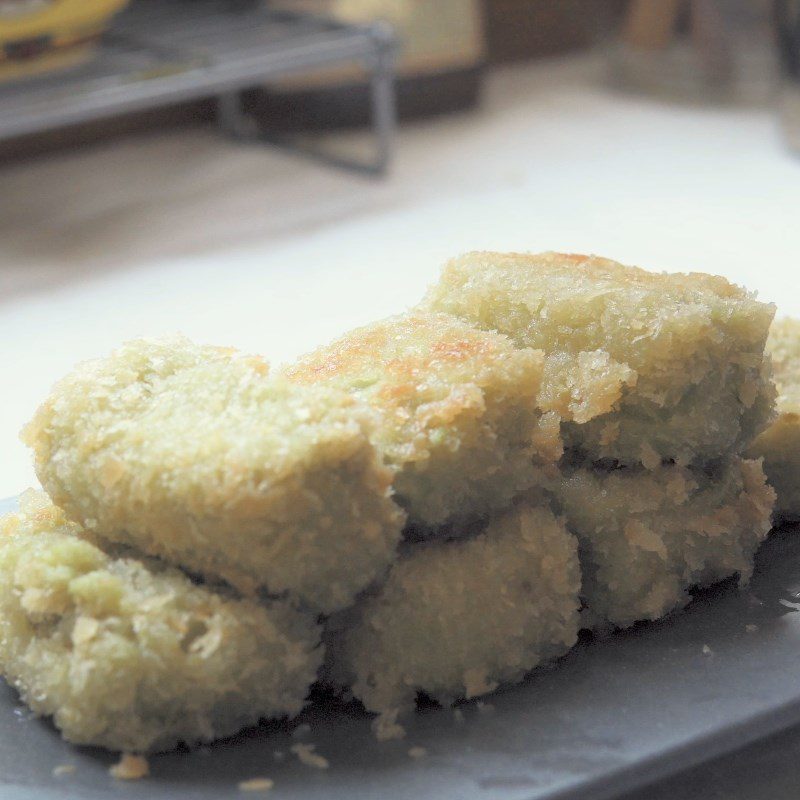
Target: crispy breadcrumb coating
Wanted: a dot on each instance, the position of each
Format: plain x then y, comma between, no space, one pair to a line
195,455
779,445
457,618
131,655
457,407
647,367
646,537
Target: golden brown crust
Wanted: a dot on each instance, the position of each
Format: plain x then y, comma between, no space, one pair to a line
442,341
456,407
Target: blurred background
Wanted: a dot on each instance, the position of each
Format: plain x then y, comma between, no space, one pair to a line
269,174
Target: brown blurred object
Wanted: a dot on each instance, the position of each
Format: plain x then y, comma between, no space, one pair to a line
446,45
439,66
653,24
696,50
434,36
521,29
650,24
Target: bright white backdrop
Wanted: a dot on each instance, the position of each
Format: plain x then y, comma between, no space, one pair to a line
567,166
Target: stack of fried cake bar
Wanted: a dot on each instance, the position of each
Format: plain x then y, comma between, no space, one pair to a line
661,383
433,504
166,463
647,390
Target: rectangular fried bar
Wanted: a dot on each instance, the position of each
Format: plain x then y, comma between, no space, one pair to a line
646,537
129,654
779,445
196,455
456,618
457,410
643,367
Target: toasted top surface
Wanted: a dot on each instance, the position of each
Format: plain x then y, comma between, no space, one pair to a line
784,346
424,370
572,303
209,415
411,357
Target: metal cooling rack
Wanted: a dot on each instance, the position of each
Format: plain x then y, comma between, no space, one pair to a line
160,52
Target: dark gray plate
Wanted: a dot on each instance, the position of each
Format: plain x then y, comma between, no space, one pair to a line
613,715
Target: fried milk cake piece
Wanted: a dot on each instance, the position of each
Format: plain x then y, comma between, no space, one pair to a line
644,367
196,455
456,618
128,653
457,409
647,537
779,445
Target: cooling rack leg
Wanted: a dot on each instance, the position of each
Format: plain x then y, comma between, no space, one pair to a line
384,118
231,118
235,122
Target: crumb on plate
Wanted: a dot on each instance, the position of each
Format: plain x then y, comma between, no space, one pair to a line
306,755
130,767
256,785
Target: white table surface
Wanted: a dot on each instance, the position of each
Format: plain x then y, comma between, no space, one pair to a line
235,244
